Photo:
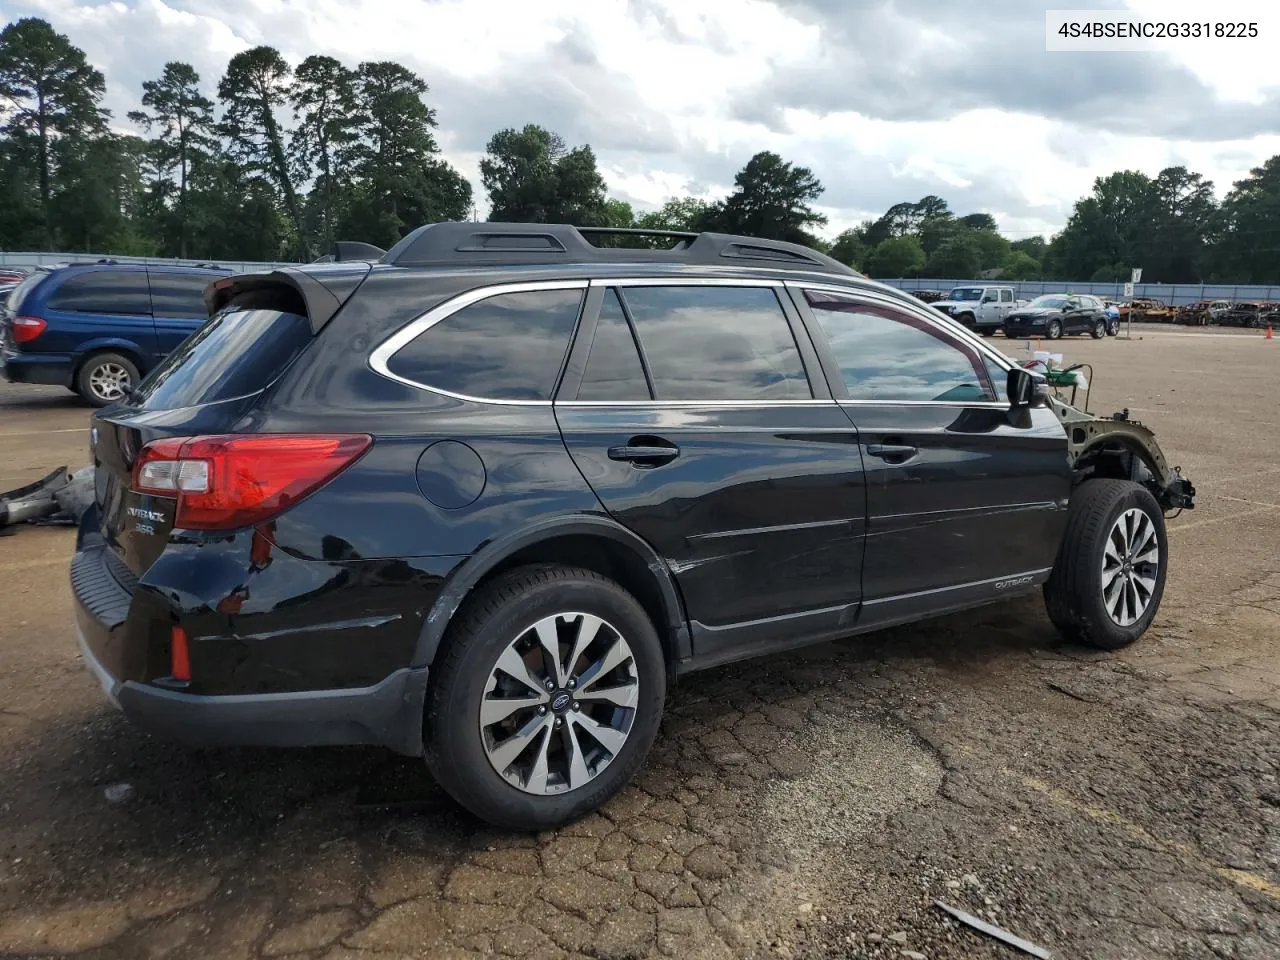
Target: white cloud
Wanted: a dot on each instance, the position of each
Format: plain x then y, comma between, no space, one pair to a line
676,95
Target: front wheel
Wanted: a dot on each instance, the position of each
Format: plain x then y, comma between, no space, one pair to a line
1099,330
1109,577
546,698
1055,330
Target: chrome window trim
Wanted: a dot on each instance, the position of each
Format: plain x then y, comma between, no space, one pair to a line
383,353
684,282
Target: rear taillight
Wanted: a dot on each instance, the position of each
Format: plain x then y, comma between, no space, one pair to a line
228,482
26,329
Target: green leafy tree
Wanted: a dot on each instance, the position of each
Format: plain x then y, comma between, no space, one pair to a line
1034,247
980,221
1020,266
849,248
958,257
184,118
1249,248
326,129
51,94
401,180
531,177
993,249
896,257
677,213
772,199
253,90
1183,228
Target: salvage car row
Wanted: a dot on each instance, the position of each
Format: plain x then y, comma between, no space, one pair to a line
986,309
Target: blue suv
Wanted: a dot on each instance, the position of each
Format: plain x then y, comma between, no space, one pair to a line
98,328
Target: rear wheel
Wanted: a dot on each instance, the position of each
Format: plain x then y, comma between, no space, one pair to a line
1109,577
106,378
546,699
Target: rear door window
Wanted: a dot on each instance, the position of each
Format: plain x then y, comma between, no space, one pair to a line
237,353
506,347
103,291
179,295
717,343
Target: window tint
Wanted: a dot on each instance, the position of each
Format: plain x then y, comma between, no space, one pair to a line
508,347
179,294
20,292
238,352
886,355
717,343
103,291
613,369
1006,296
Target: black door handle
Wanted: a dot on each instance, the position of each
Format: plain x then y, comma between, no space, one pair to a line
892,452
645,451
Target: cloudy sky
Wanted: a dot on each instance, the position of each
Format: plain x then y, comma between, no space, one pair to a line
885,100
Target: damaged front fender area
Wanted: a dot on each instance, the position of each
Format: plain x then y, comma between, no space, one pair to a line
1123,449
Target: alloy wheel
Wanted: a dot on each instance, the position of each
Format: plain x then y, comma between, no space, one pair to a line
559,703
109,382
1130,567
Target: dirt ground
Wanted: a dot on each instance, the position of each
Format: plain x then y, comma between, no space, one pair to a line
810,805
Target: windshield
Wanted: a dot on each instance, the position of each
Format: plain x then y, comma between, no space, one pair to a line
965,293
1047,302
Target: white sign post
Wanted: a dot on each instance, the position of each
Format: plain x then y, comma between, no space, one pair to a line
1136,276
1128,291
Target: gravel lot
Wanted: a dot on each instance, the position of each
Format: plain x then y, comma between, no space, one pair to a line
810,805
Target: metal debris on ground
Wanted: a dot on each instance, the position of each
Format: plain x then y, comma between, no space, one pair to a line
58,498
1004,936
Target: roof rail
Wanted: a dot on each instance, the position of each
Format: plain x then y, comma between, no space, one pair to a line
460,244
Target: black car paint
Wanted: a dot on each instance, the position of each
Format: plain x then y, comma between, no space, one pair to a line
773,528
1081,318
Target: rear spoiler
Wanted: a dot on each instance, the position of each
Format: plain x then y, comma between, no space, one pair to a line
323,292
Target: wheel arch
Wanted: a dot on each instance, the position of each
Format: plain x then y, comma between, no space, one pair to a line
594,542
125,348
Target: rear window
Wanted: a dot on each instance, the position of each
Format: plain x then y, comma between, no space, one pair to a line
103,291
19,293
237,352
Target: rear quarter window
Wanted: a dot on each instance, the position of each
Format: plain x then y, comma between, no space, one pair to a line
509,346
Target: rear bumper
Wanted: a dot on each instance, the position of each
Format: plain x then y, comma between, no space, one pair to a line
387,713
37,368
379,715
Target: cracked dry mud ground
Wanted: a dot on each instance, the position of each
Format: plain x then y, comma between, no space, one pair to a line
812,805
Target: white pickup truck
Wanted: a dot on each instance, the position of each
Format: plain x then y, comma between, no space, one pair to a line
981,308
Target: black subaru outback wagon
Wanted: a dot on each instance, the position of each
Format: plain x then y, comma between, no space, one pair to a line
482,500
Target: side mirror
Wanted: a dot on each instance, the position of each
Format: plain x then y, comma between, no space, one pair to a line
1025,389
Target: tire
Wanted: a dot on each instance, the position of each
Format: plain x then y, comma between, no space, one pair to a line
464,756
98,374
1113,328
1099,330
1074,594
1054,330
967,320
